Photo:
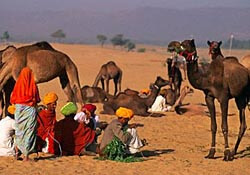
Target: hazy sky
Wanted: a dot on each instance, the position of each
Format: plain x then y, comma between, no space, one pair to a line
110,5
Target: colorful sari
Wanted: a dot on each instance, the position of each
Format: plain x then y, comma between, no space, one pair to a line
25,96
26,122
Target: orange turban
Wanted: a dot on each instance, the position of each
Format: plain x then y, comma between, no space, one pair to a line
50,98
145,91
124,113
12,109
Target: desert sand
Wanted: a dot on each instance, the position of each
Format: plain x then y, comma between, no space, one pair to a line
177,144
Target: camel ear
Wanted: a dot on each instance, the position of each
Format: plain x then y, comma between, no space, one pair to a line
208,42
220,43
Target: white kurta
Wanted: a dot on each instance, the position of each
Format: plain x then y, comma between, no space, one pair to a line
134,144
7,130
159,104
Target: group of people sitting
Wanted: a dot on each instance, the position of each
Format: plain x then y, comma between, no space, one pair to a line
26,130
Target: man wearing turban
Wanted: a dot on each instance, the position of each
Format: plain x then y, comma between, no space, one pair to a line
7,128
120,129
46,122
74,137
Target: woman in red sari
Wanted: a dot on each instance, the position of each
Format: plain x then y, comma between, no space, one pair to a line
46,121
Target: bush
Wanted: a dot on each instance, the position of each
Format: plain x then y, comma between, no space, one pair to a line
141,50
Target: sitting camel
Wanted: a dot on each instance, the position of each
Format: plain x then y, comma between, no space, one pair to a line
109,71
46,64
94,94
139,105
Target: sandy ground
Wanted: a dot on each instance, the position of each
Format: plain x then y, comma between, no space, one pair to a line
177,144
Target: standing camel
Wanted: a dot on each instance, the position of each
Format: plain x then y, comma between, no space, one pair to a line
46,64
109,71
226,79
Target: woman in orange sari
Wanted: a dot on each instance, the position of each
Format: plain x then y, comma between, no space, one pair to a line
25,96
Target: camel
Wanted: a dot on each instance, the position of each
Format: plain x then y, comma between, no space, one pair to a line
245,61
46,64
109,71
225,79
174,73
94,94
139,105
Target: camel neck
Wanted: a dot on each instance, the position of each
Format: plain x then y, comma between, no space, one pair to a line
195,77
151,98
219,54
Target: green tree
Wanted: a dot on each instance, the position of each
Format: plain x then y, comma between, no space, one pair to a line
101,39
6,36
130,46
59,34
117,40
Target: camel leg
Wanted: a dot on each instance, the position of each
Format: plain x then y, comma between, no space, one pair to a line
241,104
211,108
115,83
224,127
73,78
66,87
103,87
107,85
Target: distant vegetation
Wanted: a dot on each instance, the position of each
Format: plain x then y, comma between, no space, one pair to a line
141,50
237,44
59,34
118,40
101,39
5,36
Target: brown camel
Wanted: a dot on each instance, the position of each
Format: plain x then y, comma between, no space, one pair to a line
94,94
139,105
109,71
46,64
225,79
245,61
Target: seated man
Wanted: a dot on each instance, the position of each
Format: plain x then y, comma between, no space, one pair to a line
120,129
46,120
75,138
159,104
7,128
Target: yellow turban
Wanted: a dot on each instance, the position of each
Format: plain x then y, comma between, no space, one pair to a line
68,109
124,112
12,109
145,91
50,98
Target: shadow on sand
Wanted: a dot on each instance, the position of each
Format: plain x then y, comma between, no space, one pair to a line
152,153
243,153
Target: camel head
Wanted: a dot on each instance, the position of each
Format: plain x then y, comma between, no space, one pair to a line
160,82
189,50
214,47
6,53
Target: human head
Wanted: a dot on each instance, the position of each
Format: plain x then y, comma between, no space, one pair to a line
50,100
11,111
90,108
124,114
69,110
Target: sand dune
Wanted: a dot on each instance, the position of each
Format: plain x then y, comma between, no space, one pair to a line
177,144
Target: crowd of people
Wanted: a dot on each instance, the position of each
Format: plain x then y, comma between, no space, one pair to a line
26,130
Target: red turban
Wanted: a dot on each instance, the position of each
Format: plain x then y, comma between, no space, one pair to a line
91,108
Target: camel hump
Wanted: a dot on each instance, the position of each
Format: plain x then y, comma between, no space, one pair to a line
44,45
111,63
231,59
